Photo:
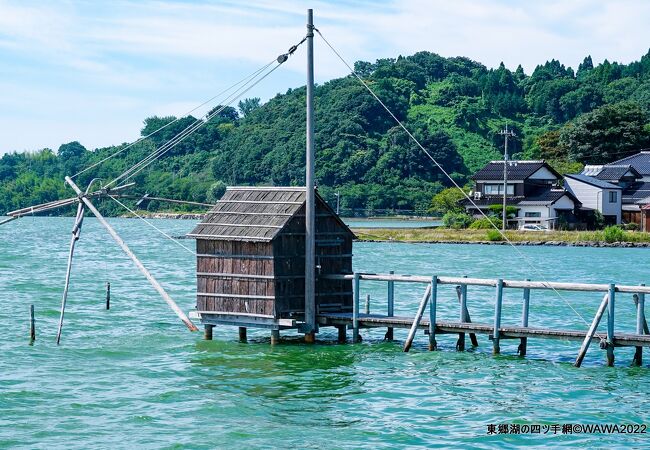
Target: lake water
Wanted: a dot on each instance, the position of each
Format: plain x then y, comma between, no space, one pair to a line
390,223
135,377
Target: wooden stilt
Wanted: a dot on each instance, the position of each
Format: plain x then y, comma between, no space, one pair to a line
460,345
610,325
242,334
355,309
108,295
639,301
32,325
310,337
188,323
207,334
433,306
496,349
418,318
76,232
466,317
275,337
342,333
390,335
592,331
523,344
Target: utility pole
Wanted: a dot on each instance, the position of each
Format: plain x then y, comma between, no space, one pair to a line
310,210
338,203
505,133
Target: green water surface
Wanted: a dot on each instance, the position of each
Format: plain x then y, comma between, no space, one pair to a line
134,377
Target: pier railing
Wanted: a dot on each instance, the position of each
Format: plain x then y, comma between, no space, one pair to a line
495,331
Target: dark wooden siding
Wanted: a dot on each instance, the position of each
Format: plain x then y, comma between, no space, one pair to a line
243,269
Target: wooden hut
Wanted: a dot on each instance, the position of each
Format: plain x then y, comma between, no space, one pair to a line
251,259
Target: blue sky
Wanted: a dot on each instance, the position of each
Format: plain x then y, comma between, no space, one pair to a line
92,71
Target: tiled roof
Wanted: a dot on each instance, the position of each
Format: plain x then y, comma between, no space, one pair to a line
615,172
517,170
636,191
546,196
592,181
640,161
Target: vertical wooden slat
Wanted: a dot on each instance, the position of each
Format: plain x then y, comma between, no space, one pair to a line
496,349
610,325
355,309
523,344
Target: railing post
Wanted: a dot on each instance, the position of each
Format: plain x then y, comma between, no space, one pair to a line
355,310
367,308
524,320
391,306
433,345
497,317
610,325
640,316
460,346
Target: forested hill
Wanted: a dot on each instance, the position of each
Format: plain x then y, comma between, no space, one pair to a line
455,106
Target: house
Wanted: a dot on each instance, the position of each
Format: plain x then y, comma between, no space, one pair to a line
532,188
596,194
631,174
251,258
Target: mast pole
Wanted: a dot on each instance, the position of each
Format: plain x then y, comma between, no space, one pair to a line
310,210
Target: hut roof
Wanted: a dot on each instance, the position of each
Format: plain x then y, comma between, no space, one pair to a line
255,214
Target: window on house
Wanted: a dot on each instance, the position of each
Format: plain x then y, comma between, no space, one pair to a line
613,196
497,189
533,214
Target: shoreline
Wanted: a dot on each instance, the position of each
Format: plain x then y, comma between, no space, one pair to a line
594,244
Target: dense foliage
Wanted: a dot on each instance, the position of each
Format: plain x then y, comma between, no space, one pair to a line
454,106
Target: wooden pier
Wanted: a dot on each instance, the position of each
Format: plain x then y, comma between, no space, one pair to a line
357,320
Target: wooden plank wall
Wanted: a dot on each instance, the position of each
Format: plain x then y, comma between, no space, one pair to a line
253,261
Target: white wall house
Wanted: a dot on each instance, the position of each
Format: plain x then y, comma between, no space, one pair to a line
596,194
546,209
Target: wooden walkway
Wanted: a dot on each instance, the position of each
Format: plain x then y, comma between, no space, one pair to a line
444,327
496,332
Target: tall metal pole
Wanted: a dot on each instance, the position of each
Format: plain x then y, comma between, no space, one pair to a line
310,210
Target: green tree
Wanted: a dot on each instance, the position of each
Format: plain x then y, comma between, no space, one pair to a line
607,134
448,200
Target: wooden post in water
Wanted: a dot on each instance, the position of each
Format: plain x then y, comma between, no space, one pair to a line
460,345
433,287
242,334
391,307
524,320
355,309
207,334
188,323
32,325
418,318
108,295
367,309
639,300
496,349
342,334
610,325
592,331
275,337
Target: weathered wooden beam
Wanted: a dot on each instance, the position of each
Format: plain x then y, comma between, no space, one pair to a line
275,337
9,220
390,333
592,331
242,334
367,306
523,343
134,258
461,291
641,326
433,306
610,325
342,334
418,318
496,349
108,295
76,232
355,308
